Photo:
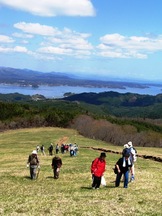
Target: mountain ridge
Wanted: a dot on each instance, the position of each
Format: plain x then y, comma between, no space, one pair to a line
28,77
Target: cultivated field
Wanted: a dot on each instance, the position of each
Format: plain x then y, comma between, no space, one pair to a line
71,194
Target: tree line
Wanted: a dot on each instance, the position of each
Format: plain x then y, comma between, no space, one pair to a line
65,114
104,130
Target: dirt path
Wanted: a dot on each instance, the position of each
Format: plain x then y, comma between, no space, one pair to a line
63,140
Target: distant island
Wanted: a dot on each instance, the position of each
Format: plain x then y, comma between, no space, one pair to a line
67,94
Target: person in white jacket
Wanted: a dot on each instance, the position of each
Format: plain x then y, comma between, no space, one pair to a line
133,159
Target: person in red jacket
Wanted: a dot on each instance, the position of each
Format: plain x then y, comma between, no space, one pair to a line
97,169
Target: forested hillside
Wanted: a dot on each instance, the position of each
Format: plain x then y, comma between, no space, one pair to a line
122,105
109,116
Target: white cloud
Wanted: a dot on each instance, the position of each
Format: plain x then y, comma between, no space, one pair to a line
20,35
66,51
18,49
54,42
52,7
119,46
55,50
6,39
58,42
36,28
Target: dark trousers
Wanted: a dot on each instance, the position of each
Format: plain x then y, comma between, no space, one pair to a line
96,181
118,178
56,173
50,152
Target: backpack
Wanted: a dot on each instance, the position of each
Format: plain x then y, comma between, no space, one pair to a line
135,150
33,160
50,148
115,170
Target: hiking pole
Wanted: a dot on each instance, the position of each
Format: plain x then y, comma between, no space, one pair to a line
38,172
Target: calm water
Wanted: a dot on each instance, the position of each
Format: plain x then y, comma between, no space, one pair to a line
58,91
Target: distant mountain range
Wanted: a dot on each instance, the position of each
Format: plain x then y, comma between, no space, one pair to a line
25,77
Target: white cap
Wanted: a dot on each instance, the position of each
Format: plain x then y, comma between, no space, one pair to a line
34,152
126,146
130,144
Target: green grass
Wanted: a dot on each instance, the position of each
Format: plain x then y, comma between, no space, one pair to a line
71,194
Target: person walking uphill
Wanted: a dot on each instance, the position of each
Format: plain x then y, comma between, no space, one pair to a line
122,166
133,159
50,149
33,163
56,165
97,169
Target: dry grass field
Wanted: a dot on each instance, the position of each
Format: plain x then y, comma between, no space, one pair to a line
71,194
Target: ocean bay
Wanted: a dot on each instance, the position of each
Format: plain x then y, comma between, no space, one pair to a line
59,91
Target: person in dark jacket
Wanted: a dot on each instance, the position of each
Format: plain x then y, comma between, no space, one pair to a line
57,148
50,149
56,165
97,169
123,166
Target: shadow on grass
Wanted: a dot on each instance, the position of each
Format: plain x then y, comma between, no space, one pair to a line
110,186
27,177
49,177
88,188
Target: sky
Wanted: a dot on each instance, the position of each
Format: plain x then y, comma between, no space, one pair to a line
121,39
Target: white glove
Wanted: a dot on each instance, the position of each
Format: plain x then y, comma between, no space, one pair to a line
27,165
38,167
58,169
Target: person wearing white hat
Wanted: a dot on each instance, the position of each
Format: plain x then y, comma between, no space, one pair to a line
125,149
126,146
130,144
133,159
33,163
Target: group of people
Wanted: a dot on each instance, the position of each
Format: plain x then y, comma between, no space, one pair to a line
33,161
72,148
38,148
34,165
124,166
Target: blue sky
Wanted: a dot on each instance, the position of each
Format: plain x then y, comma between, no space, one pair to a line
98,38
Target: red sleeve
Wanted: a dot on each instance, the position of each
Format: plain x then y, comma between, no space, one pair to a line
94,165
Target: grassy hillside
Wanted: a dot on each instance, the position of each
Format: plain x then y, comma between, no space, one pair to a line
71,194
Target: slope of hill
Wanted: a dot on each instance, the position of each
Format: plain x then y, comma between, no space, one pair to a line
71,194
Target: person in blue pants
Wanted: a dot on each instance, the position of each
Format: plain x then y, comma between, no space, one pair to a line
123,166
